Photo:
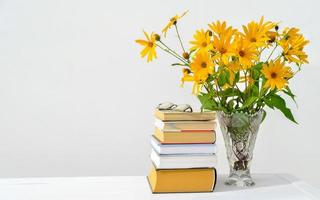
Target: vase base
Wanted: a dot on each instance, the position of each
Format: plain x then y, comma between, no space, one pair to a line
243,180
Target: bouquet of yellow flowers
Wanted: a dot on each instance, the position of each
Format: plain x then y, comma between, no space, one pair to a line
236,70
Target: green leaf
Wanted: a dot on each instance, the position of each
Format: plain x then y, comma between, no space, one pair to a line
210,79
255,74
269,104
226,93
258,66
229,92
192,51
255,90
227,77
236,78
207,102
240,121
230,104
275,101
178,64
222,79
249,102
288,92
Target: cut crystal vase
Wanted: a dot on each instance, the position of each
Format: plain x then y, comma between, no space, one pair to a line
239,133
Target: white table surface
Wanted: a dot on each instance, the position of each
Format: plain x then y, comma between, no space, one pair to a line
268,186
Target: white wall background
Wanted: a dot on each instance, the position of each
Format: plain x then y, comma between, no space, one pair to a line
76,99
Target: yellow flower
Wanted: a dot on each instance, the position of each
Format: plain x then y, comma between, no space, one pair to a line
288,73
221,29
293,44
201,41
257,32
290,34
197,80
172,21
272,35
222,41
202,65
149,46
277,74
246,52
294,54
200,68
233,67
223,48
186,76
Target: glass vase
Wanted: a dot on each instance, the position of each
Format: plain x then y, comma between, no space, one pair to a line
239,133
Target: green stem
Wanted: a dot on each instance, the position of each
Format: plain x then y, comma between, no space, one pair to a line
172,51
279,56
262,93
239,90
179,38
245,80
261,52
167,50
272,52
295,72
207,89
218,88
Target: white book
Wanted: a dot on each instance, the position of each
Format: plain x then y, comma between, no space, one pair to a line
182,148
185,125
183,161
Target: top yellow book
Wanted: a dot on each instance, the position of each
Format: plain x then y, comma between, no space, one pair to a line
167,115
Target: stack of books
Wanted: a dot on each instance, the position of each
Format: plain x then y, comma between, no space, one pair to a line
183,152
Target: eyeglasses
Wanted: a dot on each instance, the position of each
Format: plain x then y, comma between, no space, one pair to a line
174,107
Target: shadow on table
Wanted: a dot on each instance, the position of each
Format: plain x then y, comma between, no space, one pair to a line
224,192
261,180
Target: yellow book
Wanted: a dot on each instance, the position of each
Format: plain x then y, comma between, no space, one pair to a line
185,137
185,125
182,180
184,116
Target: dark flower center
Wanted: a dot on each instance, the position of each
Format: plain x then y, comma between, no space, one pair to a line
204,44
223,50
253,40
273,75
242,53
150,44
203,65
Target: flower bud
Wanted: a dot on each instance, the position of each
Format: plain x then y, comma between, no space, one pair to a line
272,36
156,37
185,55
173,20
186,71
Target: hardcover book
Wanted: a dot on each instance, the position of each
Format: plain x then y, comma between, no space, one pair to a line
182,180
184,116
185,125
183,161
182,148
185,137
